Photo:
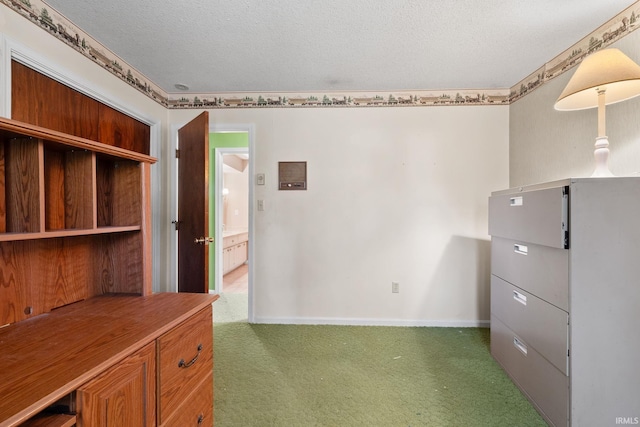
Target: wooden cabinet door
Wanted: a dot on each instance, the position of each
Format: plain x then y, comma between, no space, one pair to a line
122,396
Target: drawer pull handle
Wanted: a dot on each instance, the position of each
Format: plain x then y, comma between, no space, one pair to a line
183,364
520,345
200,419
522,299
521,249
516,201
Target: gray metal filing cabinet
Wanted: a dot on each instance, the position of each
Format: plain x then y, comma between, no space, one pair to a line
565,297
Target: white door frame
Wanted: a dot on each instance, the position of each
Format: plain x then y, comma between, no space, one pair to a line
219,204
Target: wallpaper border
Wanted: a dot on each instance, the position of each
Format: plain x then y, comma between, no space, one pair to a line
47,18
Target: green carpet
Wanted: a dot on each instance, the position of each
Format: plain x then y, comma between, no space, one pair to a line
294,375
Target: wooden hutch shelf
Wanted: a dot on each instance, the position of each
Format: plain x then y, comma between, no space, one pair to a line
9,237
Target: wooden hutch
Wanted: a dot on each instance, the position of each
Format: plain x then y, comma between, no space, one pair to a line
83,341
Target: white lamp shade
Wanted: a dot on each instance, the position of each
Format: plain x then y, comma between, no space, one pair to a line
608,69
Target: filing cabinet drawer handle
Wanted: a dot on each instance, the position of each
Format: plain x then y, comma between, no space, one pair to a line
521,249
516,201
183,364
520,345
521,298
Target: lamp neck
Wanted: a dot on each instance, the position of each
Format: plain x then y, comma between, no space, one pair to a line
602,131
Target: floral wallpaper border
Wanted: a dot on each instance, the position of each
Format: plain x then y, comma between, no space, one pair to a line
43,15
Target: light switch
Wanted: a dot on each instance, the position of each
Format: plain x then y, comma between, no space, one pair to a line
260,179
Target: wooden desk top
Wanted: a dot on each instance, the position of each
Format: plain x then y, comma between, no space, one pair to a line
46,357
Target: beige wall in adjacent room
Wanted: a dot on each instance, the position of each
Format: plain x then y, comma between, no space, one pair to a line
545,144
236,203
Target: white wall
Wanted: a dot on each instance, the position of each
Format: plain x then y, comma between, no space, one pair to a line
394,194
547,145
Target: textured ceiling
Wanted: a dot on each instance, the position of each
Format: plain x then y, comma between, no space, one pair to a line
216,46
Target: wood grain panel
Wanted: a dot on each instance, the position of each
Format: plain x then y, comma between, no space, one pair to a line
64,269
37,276
122,131
126,196
78,189
14,294
43,101
129,272
119,192
122,396
104,192
22,186
3,193
54,190
117,264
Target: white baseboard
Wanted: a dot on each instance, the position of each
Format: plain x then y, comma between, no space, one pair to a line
372,322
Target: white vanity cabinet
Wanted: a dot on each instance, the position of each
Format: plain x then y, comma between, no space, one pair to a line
565,297
235,251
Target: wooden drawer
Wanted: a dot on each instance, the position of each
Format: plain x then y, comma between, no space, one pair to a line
197,409
545,386
185,356
542,325
538,216
540,270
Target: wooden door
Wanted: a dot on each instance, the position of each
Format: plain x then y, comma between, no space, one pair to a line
123,396
193,205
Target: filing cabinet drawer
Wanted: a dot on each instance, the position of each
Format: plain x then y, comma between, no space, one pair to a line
185,356
539,216
544,385
197,409
542,325
540,270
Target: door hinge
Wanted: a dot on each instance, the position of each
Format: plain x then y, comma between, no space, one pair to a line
177,153
176,224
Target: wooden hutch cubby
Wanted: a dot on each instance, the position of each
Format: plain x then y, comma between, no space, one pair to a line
74,220
79,325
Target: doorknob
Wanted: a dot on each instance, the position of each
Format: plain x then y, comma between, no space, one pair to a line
203,240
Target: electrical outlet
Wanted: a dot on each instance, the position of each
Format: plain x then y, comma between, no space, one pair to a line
260,205
395,287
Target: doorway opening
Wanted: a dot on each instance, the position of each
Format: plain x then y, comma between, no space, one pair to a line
234,218
231,261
